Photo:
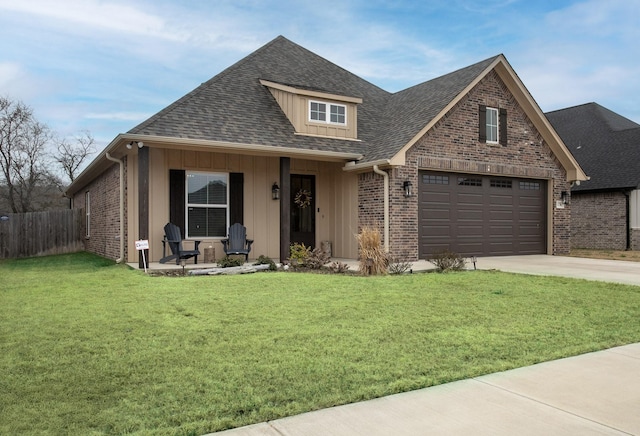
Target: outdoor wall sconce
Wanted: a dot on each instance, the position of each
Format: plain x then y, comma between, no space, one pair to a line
140,144
407,188
564,197
275,191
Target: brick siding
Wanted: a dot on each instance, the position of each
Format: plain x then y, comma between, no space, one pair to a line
453,145
599,221
104,194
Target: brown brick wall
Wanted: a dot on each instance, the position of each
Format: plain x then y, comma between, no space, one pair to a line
104,192
453,145
599,220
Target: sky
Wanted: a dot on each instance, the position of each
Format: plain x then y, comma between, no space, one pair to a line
104,66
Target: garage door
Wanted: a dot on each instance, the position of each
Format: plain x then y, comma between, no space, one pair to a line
474,215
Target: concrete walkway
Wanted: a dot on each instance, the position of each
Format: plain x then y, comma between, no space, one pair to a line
592,394
605,270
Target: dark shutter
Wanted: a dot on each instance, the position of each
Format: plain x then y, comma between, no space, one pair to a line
482,123
503,127
236,198
177,203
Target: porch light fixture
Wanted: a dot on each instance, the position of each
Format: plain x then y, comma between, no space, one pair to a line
407,188
275,191
564,197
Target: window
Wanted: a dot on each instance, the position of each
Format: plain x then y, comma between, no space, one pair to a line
87,210
469,181
492,125
529,186
430,179
318,113
500,183
207,205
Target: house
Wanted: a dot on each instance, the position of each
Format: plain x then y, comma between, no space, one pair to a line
309,152
605,210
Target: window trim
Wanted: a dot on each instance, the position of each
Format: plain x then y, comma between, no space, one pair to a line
489,127
328,111
227,206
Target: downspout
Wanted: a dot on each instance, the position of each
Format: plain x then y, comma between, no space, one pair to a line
386,205
119,162
627,195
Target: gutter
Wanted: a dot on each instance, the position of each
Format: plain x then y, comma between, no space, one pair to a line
119,162
386,206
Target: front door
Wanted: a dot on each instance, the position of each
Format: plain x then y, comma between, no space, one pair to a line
303,206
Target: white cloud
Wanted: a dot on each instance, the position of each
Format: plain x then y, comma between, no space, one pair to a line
95,15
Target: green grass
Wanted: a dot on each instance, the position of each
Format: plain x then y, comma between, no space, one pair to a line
88,347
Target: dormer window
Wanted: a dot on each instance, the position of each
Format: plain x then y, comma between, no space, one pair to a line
337,113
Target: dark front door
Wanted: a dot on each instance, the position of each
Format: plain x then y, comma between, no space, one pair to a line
303,207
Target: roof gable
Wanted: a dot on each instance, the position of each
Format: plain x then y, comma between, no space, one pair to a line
234,107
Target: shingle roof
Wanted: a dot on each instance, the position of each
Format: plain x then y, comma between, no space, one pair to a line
605,144
234,107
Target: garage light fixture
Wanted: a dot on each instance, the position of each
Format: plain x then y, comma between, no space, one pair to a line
275,191
407,188
564,197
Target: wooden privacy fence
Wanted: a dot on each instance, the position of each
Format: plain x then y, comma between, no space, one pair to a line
41,233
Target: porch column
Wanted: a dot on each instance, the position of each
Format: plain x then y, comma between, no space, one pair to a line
285,207
143,200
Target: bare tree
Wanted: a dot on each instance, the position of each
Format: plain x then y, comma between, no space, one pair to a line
71,155
27,180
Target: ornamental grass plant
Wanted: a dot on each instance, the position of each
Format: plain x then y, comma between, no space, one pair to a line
373,259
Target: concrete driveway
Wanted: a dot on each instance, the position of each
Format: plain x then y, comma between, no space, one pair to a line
614,271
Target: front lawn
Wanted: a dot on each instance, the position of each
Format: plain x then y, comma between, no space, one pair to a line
88,347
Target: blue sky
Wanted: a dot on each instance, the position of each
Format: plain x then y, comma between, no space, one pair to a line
106,65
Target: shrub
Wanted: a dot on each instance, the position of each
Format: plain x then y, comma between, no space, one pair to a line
373,260
298,254
399,265
338,267
446,261
265,260
227,262
317,259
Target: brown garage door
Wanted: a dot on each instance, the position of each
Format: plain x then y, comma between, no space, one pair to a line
474,215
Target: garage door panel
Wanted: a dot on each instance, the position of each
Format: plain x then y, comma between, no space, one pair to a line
503,216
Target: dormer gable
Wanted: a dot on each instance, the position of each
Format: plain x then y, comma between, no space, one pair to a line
314,112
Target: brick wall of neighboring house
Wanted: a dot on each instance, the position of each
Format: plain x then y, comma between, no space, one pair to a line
453,145
635,239
599,220
104,194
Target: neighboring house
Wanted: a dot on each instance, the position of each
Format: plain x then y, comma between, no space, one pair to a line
465,162
605,210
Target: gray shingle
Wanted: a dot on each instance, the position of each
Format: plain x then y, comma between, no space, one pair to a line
605,144
234,107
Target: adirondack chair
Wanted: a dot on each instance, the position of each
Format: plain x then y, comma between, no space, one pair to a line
173,237
237,242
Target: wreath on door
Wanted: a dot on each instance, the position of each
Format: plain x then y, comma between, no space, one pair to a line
303,198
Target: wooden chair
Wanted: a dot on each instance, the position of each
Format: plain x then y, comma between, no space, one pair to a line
237,242
173,237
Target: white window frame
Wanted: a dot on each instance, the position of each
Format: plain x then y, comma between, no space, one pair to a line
490,127
327,112
208,206
87,210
